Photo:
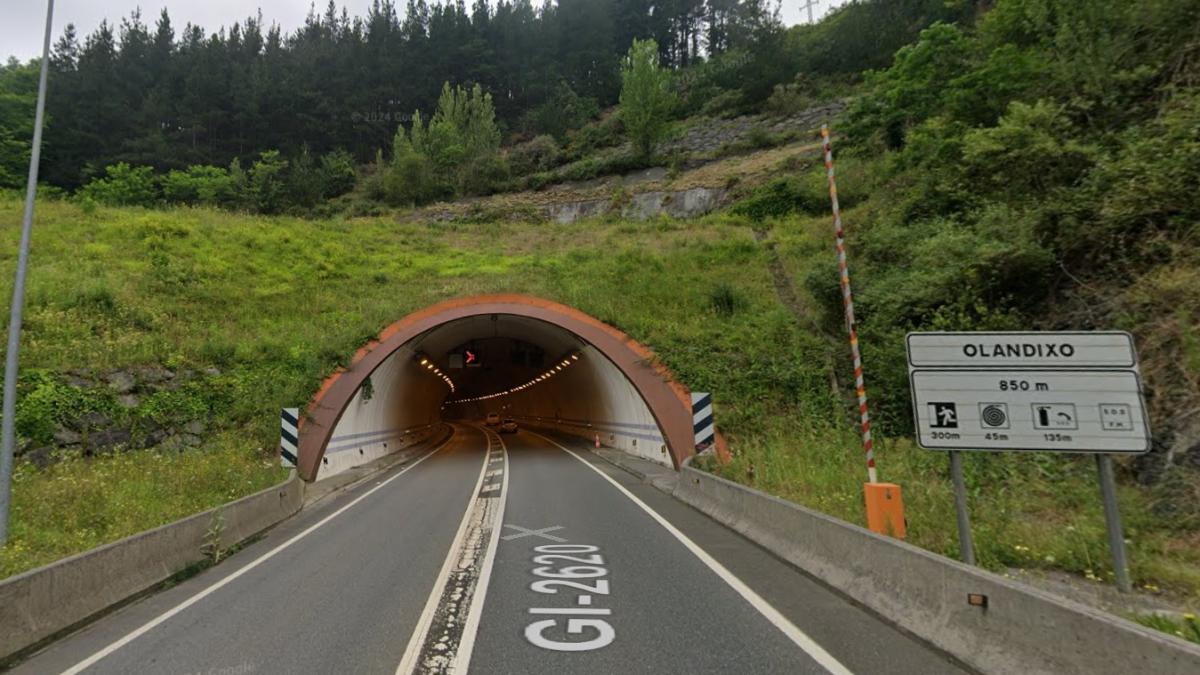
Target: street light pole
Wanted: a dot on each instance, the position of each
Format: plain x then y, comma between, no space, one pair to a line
8,427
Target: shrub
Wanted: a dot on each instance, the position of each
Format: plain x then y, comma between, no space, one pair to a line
124,185
1031,150
779,198
562,111
789,98
268,191
601,134
338,175
539,154
723,103
208,185
304,181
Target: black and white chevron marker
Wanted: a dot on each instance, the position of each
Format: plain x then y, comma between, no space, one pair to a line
702,420
289,433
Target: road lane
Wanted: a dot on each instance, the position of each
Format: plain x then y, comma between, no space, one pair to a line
668,611
592,574
344,598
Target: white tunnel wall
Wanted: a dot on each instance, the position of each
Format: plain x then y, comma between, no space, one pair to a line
589,397
403,409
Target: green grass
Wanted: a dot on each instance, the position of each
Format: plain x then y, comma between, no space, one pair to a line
277,303
78,504
1188,628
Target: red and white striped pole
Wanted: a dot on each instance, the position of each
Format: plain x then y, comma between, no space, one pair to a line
848,302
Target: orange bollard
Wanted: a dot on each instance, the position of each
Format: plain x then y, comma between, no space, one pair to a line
885,509
597,440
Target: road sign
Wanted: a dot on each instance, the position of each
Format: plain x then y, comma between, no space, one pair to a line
702,420
289,437
1109,349
1059,391
1059,410
1056,391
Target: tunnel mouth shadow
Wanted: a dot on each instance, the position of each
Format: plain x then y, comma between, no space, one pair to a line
568,346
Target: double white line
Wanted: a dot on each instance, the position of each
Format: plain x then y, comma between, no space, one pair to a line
444,636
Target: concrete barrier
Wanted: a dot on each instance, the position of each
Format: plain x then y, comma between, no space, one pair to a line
1022,630
40,603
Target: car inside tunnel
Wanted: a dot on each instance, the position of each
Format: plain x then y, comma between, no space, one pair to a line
546,366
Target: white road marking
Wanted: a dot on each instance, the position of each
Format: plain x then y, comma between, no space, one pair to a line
526,532
467,644
570,611
150,625
461,659
797,636
412,653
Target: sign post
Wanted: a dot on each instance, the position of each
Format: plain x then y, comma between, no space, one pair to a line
1077,392
1112,519
966,544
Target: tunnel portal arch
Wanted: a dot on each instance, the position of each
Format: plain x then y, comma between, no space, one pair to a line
668,401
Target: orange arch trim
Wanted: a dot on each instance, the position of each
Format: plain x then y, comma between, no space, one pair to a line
668,401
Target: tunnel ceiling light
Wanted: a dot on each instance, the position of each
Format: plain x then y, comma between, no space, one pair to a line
566,362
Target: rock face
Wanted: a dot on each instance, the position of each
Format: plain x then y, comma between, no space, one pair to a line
643,205
124,426
710,135
121,382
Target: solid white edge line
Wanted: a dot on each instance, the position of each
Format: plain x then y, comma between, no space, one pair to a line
408,663
799,637
149,625
466,643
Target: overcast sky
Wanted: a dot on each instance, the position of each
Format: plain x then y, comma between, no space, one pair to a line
22,22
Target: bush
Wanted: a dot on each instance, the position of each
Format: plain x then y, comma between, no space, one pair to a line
611,163
268,190
598,135
304,181
124,185
207,185
1031,150
723,103
562,111
779,198
338,174
787,99
539,154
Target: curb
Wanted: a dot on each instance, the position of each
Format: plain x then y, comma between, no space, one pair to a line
1021,630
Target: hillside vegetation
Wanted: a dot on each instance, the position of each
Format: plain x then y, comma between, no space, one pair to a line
1022,164
273,304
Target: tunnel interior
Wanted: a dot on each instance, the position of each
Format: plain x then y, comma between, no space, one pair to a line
539,373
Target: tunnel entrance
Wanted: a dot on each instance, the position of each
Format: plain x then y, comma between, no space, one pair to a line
542,363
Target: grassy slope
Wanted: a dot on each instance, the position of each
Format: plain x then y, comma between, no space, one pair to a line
276,303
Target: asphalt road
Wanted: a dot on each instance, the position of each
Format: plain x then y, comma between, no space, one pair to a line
578,567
